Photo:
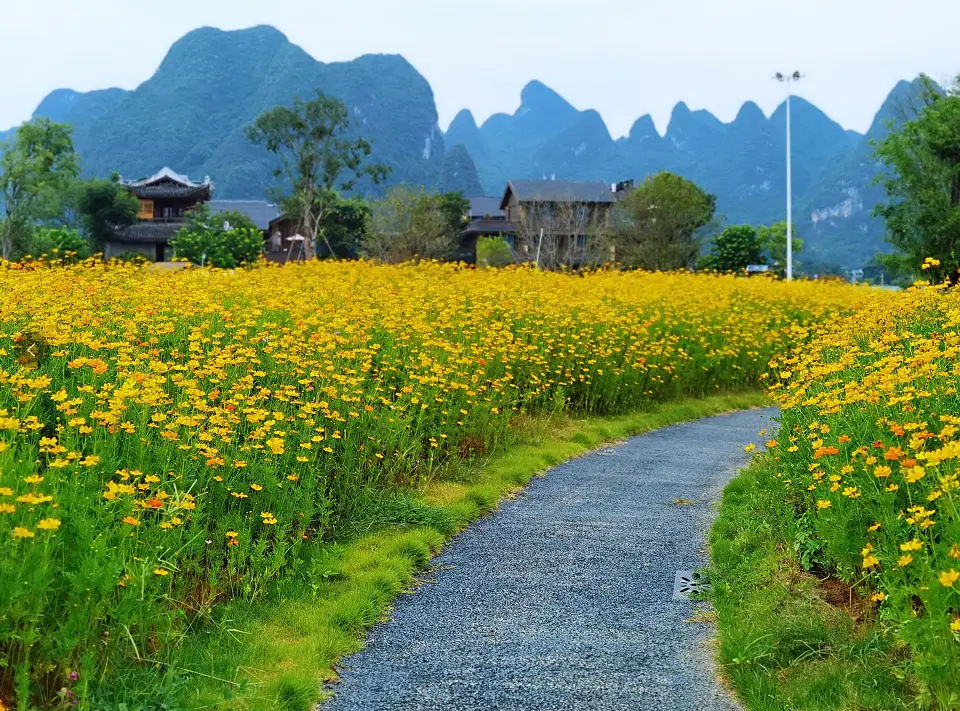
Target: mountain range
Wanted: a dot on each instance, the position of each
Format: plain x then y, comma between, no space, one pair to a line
191,115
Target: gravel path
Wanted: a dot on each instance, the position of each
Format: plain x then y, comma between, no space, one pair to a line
563,599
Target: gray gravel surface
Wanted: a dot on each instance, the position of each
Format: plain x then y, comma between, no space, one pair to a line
563,598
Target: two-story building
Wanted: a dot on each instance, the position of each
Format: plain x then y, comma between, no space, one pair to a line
165,198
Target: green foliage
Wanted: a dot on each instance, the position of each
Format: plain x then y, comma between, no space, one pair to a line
104,207
459,174
659,225
410,223
773,242
784,642
921,180
493,252
40,159
318,159
343,223
205,240
734,249
58,244
455,208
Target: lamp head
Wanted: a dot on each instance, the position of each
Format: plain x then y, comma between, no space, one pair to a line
779,76
796,75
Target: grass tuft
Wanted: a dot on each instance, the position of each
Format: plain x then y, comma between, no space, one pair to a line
782,645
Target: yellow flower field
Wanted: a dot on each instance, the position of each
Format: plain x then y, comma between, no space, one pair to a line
869,453
170,440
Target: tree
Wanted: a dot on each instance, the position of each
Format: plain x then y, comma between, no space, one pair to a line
659,225
563,235
225,240
344,224
456,210
409,223
105,207
773,242
459,173
920,176
317,158
40,158
734,249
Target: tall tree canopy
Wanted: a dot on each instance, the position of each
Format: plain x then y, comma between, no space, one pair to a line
317,156
921,179
39,160
658,225
104,207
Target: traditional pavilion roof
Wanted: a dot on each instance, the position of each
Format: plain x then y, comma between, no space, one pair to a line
167,183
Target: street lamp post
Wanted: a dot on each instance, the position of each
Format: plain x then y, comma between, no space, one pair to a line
788,78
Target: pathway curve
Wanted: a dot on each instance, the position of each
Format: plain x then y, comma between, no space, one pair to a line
563,598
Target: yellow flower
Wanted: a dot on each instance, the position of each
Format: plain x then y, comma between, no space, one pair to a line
955,625
915,474
21,532
824,504
904,560
750,447
879,597
160,571
48,524
913,545
5,491
948,578
33,479
34,499
7,508
256,487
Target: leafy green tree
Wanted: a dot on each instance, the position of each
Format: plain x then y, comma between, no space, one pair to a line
456,210
38,160
773,242
104,207
409,223
734,249
343,223
921,178
317,157
659,225
225,240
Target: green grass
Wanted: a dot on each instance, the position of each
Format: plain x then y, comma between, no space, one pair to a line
277,655
787,640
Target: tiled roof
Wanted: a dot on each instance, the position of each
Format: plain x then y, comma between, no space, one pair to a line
483,206
165,173
261,212
489,227
558,191
148,231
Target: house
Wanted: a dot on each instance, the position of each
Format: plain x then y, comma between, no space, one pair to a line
486,220
165,198
554,218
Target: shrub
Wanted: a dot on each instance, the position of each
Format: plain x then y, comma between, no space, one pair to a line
493,252
59,244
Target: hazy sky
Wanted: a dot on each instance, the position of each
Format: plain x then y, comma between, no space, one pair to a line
621,57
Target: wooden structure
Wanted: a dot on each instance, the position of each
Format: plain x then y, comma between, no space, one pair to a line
165,199
486,220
